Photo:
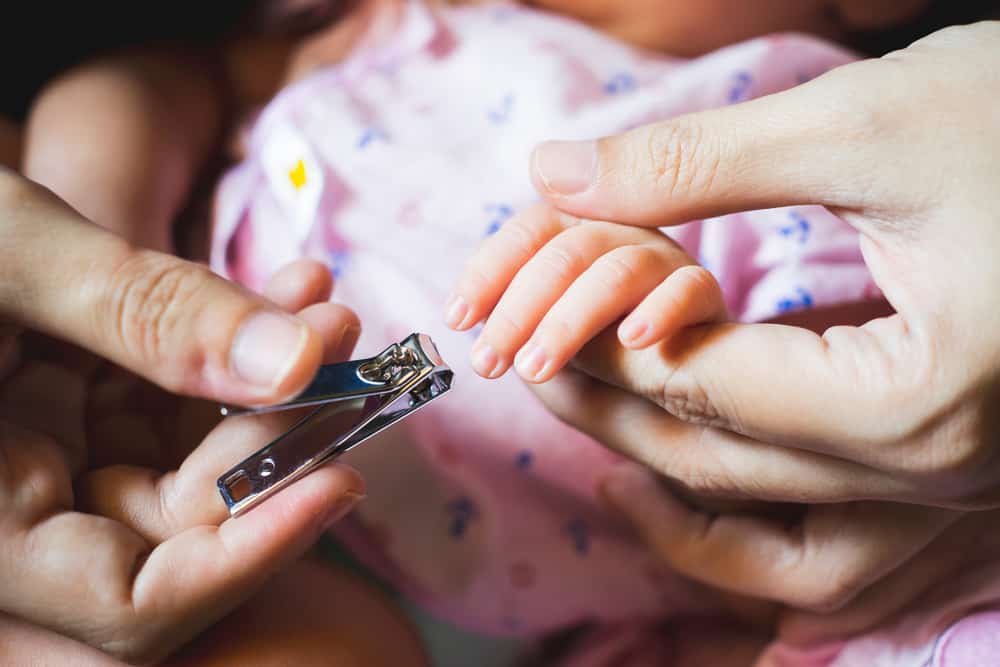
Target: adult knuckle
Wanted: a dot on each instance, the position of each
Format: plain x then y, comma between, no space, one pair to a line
150,298
686,398
684,160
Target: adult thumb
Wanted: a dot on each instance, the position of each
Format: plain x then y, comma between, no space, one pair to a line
794,147
169,320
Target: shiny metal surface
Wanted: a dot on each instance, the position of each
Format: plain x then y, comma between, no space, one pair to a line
351,402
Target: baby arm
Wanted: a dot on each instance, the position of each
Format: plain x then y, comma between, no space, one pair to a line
121,139
546,283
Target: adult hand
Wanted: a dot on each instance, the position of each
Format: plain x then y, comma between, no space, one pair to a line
843,569
111,529
171,321
907,149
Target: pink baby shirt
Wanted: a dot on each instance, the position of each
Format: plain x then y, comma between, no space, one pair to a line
392,167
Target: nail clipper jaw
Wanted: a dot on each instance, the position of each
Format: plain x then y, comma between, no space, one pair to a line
355,400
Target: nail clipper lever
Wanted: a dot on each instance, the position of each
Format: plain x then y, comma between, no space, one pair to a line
351,401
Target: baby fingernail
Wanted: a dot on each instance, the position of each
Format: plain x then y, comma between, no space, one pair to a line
531,362
457,311
566,167
485,360
266,348
632,331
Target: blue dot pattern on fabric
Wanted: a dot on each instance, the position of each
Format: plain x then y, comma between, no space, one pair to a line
622,82
338,262
799,229
524,460
499,214
803,300
579,534
501,113
462,511
371,135
740,89
502,13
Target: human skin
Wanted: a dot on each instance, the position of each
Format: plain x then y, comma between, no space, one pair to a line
889,424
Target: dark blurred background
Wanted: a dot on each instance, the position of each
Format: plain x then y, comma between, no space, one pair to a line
38,39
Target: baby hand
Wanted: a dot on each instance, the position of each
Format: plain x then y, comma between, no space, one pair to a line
547,283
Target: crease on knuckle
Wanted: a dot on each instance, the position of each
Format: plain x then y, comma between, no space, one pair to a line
686,398
701,474
699,281
685,162
147,303
510,328
480,275
621,267
821,591
519,235
562,261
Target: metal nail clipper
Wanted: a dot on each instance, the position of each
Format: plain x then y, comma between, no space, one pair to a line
351,401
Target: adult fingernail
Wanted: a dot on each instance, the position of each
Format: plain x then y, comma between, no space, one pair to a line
457,311
348,339
531,362
632,331
343,506
485,360
266,348
566,167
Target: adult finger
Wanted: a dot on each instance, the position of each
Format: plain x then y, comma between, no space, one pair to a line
300,284
153,598
822,564
707,461
304,287
773,151
159,506
826,393
171,321
930,572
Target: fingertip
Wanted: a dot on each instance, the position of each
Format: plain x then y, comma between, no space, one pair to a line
486,362
300,284
290,374
534,363
344,488
338,327
633,333
458,313
564,168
